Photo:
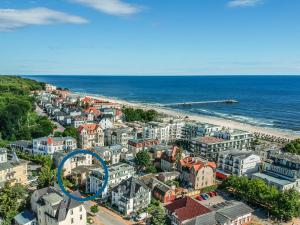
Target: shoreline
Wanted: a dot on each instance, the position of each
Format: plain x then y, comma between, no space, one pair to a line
198,118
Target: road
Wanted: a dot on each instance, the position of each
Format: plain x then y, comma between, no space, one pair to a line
105,216
40,112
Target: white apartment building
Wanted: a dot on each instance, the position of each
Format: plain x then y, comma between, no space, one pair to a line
111,154
175,129
238,162
49,145
157,130
117,173
52,207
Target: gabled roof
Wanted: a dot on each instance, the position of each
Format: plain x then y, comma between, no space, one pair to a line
89,127
196,163
63,206
130,187
186,209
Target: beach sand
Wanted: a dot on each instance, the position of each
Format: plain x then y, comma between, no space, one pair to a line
204,119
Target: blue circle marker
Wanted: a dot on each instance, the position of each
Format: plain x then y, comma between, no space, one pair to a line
60,169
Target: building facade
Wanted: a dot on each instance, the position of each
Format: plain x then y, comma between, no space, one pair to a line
130,196
90,135
49,145
238,162
52,207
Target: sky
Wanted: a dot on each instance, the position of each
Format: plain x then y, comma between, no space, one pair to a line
150,37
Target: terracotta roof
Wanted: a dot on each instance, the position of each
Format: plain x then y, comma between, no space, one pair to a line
191,162
88,126
186,209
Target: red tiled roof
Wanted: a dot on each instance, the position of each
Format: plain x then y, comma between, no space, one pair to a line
190,162
88,126
187,208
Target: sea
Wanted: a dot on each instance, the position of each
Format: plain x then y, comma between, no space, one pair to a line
267,101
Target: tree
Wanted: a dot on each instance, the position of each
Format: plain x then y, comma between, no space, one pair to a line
45,177
139,115
293,146
158,215
282,204
94,209
151,169
12,200
143,159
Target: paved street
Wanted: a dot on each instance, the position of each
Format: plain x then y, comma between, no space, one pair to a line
106,217
40,112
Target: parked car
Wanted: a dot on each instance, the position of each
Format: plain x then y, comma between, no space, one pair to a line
199,198
204,196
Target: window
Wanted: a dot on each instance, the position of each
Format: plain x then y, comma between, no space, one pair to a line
72,220
80,217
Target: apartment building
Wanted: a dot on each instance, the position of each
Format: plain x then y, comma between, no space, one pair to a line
209,147
137,145
111,154
281,170
52,207
238,162
197,173
192,130
130,196
90,135
13,171
117,173
175,130
49,145
157,130
118,136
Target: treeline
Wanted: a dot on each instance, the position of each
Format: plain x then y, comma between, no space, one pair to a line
132,115
293,147
282,204
18,119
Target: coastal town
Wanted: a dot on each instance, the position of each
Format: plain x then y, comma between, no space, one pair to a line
162,168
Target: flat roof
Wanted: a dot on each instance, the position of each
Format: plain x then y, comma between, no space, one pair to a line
272,179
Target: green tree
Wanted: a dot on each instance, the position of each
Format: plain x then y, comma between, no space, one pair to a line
94,209
46,177
143,159
293,146
158,215
12,200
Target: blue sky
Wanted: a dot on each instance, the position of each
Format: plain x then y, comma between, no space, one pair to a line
150,37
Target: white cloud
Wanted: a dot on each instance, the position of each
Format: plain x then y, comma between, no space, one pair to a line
112,7
11,19
243,3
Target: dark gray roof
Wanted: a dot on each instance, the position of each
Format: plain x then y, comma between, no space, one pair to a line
64,206
130,187
233,210
205,219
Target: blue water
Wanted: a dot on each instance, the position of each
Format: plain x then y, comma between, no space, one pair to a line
270,101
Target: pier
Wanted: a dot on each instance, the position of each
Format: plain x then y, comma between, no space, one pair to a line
226,101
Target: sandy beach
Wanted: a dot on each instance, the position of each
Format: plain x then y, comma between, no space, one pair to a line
202,118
